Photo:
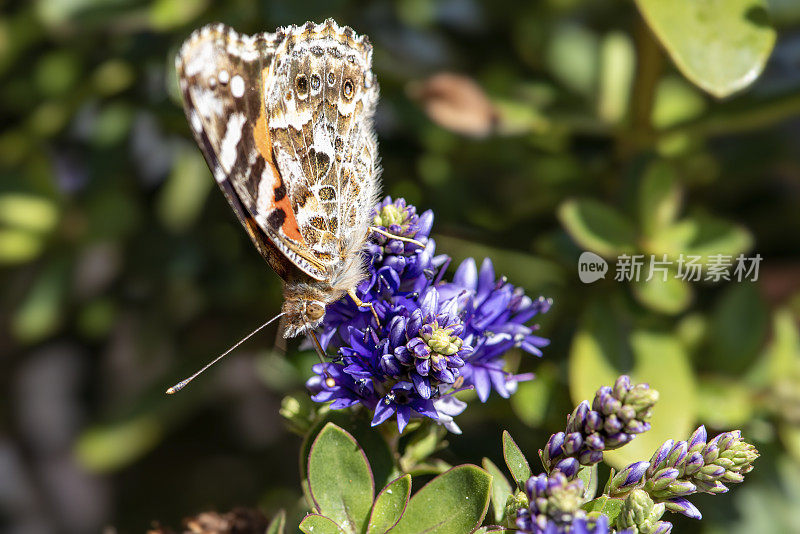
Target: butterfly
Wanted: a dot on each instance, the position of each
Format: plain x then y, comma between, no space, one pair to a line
285,122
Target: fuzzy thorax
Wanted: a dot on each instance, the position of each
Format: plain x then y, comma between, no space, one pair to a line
304,305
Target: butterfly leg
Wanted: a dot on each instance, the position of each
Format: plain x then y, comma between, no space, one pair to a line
399,238
361,304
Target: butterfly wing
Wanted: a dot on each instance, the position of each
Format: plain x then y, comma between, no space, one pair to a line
321,98
222,76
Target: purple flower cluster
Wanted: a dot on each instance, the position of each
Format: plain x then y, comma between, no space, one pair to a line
434,337
555,507
617,414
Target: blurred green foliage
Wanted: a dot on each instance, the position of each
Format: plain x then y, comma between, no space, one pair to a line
588,127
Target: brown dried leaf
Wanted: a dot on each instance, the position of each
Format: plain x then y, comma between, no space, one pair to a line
457,103
237,521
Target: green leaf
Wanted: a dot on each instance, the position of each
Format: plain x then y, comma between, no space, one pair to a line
340,479
676,101
669,295
389,505
702,236
371,442
659,198
184,194
573,57
40,313
517,463
658,359
106,448
738,327
28,212
19,246
663,362
782,353
532,398
605,505
598,227
720,45
455,502
319,524
724,403
501,489
278,523
593,352
170,14
591,480
422,443
617,65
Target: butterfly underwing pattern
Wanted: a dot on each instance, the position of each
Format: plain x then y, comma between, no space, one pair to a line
284,121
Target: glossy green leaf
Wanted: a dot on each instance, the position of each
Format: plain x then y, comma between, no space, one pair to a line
319,524
389,505
340,479
720,45
455,502
517,463
738,327
669,295
607,506
501,489
371,442
591,480
598,227
278,523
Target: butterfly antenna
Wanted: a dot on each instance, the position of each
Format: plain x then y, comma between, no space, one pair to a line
183,383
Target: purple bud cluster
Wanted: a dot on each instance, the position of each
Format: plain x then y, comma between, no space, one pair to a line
617,414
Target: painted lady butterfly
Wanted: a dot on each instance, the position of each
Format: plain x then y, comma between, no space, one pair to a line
284,120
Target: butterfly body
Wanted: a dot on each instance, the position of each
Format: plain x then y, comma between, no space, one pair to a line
284,121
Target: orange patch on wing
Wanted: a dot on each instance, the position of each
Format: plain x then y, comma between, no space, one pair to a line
263,144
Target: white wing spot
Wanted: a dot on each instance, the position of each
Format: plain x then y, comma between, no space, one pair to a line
197,126
237,86
233,133
224,77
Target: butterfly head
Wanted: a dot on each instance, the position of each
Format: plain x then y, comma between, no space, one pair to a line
304,305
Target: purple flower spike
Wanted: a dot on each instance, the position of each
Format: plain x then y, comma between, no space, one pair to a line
434,337
615,416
